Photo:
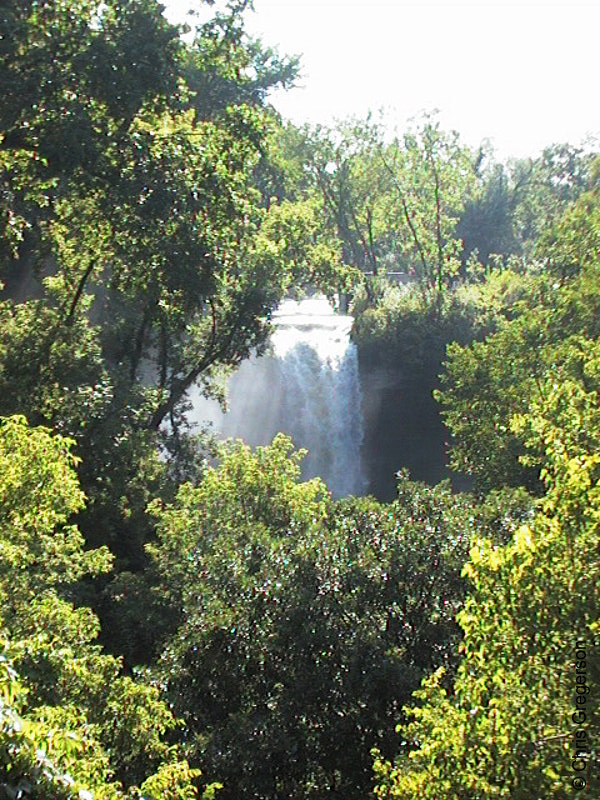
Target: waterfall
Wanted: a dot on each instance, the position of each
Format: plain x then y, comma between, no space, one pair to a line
307,386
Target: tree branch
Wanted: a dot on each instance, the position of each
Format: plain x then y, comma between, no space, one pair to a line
179,387
407,215
78,292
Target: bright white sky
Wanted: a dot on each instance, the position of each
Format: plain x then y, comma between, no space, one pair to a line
522,74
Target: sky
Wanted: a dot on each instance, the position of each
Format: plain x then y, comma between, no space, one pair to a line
522,75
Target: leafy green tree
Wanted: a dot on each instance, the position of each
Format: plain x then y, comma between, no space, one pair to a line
39,492
345,169
61,693
405,332
141,259
73,78
514,203
53,753
487,222
487,383
395,205
530,636
431,176
295,627
227,68
544,188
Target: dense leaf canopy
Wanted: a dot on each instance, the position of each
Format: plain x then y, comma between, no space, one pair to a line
178,617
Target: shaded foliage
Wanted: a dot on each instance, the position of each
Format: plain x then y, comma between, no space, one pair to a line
69,717
530,631
487,383
299,624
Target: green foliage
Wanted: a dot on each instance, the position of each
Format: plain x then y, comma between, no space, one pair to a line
408,328
140,257
431,176
345,169
53,753
545,188
227,68
73,706
239,515
487,222
513,204
393,206
173,782
298,626
153,213
42,555
571,244
404,331
507,728
39,491
537,337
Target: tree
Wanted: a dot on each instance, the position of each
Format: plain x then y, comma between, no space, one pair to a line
487,222
513,203
228,68
544,188
431,175
52,753
39,492
61,695
530,635
140,257
345,170
294,627
392,205
486,383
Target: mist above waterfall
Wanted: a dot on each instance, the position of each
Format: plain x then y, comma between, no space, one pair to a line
307,386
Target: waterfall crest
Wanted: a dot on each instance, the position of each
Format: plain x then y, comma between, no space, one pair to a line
308,387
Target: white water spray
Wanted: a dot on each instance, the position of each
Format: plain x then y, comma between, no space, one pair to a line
308,387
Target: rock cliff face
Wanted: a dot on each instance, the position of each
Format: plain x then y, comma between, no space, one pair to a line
402,428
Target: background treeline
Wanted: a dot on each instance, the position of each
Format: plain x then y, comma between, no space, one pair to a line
172,628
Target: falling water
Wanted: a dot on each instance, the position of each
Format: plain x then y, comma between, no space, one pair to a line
307,387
